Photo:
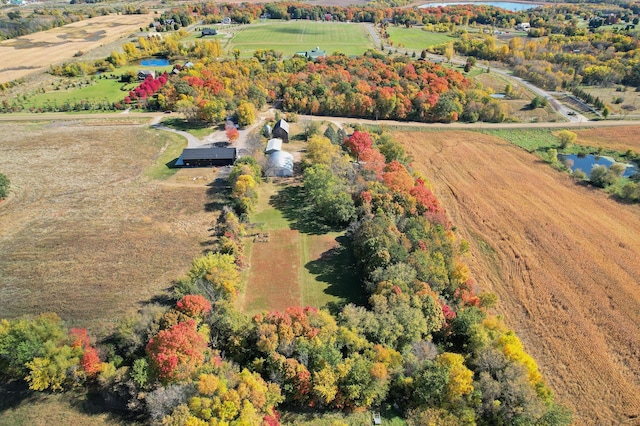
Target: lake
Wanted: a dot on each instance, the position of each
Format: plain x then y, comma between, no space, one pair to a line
507,5
155,62
586,162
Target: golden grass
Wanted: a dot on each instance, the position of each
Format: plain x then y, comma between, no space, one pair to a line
86,235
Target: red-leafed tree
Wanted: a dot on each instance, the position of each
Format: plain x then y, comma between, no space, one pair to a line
194,305
232,133
90,361
175,353
358,143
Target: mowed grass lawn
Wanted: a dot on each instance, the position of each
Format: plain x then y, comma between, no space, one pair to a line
108,90
295,36
416,38
295,267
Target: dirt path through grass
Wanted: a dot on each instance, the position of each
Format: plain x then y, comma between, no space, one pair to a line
562,258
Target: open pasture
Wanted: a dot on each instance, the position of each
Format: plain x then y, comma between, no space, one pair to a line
290,37
416,38
101,90
292,264
89,233
562,258
36,52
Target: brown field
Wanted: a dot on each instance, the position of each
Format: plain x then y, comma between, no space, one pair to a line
617,138
36,52
85,235
563,259
273,279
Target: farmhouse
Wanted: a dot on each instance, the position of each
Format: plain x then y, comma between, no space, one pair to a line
281,130
279,163
273,145
208,32
524,26
207,157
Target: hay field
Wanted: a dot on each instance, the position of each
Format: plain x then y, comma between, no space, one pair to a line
36,52
85,234
563,259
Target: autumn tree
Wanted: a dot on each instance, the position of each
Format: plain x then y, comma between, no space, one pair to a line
358,142
246,113
566,138
175,353
231,132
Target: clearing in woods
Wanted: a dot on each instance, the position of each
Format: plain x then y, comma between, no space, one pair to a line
36,52
88,233
292,263
562,257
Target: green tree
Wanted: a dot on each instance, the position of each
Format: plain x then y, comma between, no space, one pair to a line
5,184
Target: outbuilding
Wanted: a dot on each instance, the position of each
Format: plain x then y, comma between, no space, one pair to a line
279,163
207,157
273,145
281,130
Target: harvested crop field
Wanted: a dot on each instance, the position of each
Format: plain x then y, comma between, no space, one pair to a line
563,259
36,52
85,234
617,138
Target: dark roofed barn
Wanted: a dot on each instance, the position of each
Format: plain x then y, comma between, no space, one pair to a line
281,130
207,157
208,32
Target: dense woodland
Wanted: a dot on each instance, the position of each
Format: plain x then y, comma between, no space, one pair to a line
426,340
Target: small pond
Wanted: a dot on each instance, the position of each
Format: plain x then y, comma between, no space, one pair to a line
155,62
586,162
498,95
507,5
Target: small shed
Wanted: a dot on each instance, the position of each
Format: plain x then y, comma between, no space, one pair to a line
281,130
280,163
273,145
207,157
143,74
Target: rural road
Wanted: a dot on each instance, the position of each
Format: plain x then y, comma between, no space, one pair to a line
151,116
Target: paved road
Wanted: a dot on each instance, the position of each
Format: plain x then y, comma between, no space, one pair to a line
151,116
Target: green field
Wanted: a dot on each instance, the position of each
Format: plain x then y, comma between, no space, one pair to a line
108,90
416,38
294,36
319,268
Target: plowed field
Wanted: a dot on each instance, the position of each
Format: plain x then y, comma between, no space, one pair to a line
563,258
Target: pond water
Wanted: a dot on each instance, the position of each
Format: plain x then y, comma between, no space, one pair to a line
498,95
507,5
155,62
586,162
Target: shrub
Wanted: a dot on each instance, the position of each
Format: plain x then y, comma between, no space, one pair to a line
4,186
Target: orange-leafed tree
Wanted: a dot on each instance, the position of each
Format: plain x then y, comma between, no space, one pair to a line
194,305
175,353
